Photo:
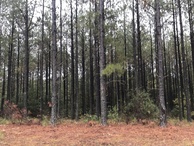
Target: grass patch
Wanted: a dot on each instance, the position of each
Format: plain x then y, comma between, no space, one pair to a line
177,122
45,121
87,117
2,135
4,121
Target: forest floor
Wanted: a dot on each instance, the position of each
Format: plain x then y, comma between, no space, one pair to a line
69,133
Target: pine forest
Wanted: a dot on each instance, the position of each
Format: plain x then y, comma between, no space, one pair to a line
103,59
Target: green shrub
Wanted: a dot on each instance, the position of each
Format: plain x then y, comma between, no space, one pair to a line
175,112
4,121
141,107
34,107
88,117
45,121
113,114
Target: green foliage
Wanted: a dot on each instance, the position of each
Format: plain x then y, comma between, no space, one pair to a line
114,115
113,68
33,102
141,107
174,121
88,117
34,106
174,113
4,121
45,121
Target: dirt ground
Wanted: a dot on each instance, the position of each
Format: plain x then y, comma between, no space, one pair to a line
93,134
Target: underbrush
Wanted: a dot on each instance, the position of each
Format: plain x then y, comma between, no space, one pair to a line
141,107
4,121
91,121
45,121
87,117
177,122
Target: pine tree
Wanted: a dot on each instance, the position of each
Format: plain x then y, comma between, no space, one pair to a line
102,66
54,66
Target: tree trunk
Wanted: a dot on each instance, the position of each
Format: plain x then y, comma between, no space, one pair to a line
125,83
60,65
10,62
54,66
3,89
76,66
102,66
66,82
46,78
91,67
190,13
96,59
139,49
72,67
135,73
1,35
180,68
83,74
17,76
41,62
186,88
27,54
152,63
160,65
177,82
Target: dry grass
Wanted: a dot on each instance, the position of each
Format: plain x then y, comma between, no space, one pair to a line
71,133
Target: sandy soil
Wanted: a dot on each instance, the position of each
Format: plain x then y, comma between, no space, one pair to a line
93,134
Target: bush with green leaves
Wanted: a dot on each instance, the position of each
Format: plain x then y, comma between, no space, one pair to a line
113,114
175,112
141,106
88,117
34,107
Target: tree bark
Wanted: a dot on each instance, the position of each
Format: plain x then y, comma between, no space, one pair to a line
186,81
27,54
135,73
18,65
60,65
54,66
10,62
91,67
41,62
190,13
139,50
177,63
66,82
3,89
102,66
160,65
72,67
83,74
96,59
76,66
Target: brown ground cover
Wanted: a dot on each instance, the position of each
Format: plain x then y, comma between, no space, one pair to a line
86,134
